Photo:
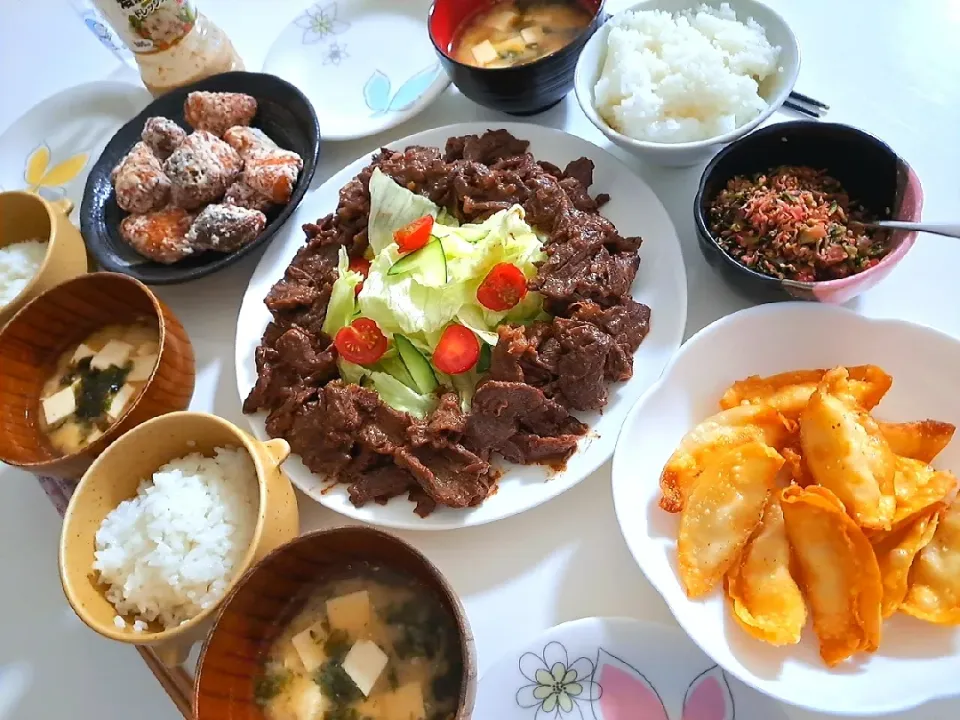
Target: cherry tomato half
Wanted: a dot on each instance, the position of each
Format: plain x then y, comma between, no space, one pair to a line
457,351
362,266
361,342
502,288
414,235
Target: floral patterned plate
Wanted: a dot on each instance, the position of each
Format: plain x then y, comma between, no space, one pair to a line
366,65
50,149
615,669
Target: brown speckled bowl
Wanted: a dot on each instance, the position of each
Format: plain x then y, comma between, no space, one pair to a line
59,319
256,610
115,476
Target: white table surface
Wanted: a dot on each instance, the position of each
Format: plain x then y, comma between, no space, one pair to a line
888,66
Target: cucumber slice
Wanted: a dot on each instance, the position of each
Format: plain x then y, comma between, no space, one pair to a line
395,366
483,362
428,264
417,365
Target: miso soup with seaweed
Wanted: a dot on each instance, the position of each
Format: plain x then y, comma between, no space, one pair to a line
369,644
95,382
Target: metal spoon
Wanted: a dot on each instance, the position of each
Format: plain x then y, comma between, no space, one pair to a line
945,229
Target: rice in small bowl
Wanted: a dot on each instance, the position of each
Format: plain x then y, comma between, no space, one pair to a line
164,524
672,81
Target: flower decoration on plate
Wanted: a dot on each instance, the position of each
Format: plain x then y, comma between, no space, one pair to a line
49,181
379,98
557,687
335,54
319,21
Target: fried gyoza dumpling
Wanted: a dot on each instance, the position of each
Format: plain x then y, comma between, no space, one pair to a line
721,511
847,454
724,430
922,440
765,598
789,392
895,553
934,584
918,487
837,571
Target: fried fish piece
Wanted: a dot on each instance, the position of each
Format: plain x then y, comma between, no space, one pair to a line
921,440
934,583
722,510
727,429
846,452
895,554
789,392
837,572
765,599
919,487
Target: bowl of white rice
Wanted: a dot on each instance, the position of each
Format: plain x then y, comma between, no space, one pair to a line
673,81
166,521
39,248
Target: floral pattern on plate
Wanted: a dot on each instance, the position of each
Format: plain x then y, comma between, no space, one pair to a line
615,669
319,22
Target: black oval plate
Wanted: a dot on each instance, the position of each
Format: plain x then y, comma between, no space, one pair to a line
283,113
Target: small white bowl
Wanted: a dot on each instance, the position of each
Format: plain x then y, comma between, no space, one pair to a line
774,89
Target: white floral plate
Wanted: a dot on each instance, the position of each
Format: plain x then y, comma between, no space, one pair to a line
51,148
660,283
916,661
615,669
366,65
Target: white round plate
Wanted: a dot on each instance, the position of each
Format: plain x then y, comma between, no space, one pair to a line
660,283
51,148
916,661
366,65
615,669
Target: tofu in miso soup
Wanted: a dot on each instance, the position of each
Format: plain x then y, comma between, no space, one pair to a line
368,645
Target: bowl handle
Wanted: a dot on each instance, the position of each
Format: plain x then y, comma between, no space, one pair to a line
173,652
278,449
64,206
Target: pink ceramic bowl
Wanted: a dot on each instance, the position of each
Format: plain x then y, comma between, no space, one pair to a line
868,169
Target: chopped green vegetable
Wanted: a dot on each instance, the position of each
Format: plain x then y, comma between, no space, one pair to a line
343,304
428,265
268,686
335,684
97,388
416,365
337,645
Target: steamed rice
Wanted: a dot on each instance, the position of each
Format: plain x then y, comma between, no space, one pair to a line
171,551
19,263
682,78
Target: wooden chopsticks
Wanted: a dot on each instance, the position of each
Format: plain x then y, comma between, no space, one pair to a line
805,105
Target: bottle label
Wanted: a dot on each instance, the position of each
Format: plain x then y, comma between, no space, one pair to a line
148,26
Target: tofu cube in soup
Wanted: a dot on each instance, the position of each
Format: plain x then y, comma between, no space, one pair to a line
309,646
363,664
82,352
60,405
485,53
115,353
306,701
404,703
350,613
142,369
120,400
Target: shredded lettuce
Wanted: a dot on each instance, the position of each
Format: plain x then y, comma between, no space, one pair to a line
343,305
392,207
404,303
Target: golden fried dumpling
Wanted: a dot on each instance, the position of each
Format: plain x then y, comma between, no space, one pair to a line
789,392
765,598
934,584
837,572
918,487
895,553
921,440
722,510
721,431
846,452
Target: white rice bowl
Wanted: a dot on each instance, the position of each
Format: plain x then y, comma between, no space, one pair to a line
682,78
170,552
19,264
